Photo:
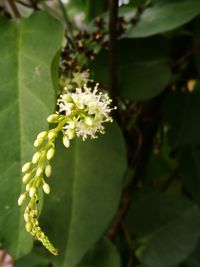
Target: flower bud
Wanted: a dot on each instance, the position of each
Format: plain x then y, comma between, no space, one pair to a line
29,227
53,118
39,172
26,167
21,199
38,142
26,217
36,157
89,121
32,191
28,186
42,135
72,124
52,135
48,170
66,141
46,188
71,134
50,153
26,178
67,98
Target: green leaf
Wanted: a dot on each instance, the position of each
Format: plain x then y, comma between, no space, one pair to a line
164,16
86,185
168,227
189,165
194,259
183,118
104,254
196,42
138,77
27,97
32,260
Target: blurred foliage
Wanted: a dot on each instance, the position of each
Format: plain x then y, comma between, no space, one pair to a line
132,197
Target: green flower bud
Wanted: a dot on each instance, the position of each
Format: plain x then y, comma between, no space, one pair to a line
67,98
52,135
26,178
21,199
26,217
72,124
36,157
71,134
42,135
46,188
39,172
26,167
29,227
32,191
48,170
50,153
89,121
53,118
38,142
66,141
28,186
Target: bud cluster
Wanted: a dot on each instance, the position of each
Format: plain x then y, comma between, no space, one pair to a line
80,114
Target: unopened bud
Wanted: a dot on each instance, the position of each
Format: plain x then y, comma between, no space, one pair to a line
71,134
29,227
26,167
38,142
39,172
67,98
89,121
46,188
21,199
53,118
48,170
32,191
26,178
66,141
42,135
50,153
52,135
36,157
26,217
28,186
72,124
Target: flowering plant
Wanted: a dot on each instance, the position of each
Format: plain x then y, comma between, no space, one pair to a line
81,113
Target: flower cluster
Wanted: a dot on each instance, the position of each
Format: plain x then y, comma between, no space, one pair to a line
80,114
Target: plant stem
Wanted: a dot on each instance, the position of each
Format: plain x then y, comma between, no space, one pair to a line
14,9
67,23
113,13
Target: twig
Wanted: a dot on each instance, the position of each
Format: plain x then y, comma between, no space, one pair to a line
113,13
67,23
14,9
34,4
188,54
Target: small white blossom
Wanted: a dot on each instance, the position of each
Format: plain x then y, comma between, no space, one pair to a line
89,108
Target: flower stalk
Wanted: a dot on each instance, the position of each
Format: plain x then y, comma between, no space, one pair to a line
81,113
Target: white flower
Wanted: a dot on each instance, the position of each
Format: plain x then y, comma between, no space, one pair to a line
90,108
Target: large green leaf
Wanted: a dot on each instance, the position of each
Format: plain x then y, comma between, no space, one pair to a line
27,97
138,66
86,187
104,254
168,227
32,260
189,162
181,111
163,16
